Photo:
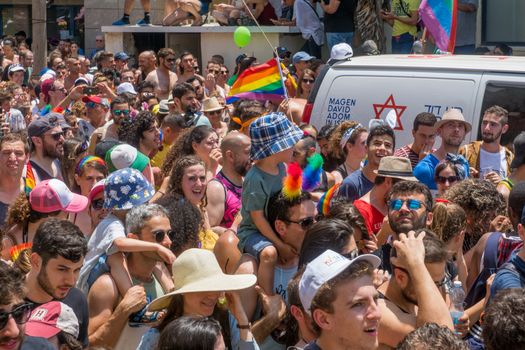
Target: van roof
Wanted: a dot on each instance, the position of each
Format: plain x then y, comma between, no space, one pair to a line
515,64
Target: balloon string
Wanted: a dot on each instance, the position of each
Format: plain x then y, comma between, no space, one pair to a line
258,26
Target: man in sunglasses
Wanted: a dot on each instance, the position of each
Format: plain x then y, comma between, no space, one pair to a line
413,296
96,111
15,312
213,71
164,77
109,310
47,147
119,111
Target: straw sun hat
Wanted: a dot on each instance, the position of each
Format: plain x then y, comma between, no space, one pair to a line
197,270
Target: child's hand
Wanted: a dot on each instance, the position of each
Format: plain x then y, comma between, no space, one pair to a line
286,252
166,254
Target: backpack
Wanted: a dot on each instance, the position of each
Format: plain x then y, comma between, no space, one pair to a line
509,266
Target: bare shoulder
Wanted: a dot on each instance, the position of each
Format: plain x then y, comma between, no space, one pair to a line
103,292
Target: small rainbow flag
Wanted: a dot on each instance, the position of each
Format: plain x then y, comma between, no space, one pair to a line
30,181
440,18
262,82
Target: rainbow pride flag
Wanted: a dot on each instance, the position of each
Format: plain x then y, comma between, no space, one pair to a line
440,18
262,82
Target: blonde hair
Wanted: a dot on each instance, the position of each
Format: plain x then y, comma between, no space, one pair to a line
448,220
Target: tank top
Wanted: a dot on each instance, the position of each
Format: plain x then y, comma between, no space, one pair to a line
232,203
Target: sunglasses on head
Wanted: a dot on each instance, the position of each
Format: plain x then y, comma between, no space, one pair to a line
97,204
305,223
412,204
444,179
160,234
20,314
119,112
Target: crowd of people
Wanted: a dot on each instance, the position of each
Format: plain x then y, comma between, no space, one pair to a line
139,210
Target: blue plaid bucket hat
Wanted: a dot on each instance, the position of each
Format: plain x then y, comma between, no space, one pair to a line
271,134
125,189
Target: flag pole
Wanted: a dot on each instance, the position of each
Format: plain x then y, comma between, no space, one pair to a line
281,74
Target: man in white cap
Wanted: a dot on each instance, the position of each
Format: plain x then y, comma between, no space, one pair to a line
340,296
340,52
452,129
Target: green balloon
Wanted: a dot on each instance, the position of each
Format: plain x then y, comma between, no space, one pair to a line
242,36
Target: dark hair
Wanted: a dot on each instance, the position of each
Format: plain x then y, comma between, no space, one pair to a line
179,167
192,79
69,340
432,336
15,137
290,334
12,283
165,52
301,77
245,64
504,321
504,48
131,130
344,210
326,234
425,118
435,249
190,333
185,221
145,84
500,112
246,110
219,59
325,132
279,206
118,101
182,89
381,130
457,167
102,55
174,120
55,238
410,187
517,199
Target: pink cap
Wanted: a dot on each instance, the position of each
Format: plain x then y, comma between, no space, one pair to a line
53,195
51,318
96,189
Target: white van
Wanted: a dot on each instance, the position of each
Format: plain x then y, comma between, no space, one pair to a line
369,87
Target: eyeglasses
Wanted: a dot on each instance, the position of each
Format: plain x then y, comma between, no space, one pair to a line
97,204
305,223
412,204
444,179
57,136
309,81
160,234
20,314
119,112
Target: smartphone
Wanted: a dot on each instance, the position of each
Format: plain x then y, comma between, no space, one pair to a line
90,90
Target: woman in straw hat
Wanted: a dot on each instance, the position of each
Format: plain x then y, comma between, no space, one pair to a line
199,282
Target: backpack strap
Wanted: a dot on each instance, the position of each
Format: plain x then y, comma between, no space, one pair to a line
490,254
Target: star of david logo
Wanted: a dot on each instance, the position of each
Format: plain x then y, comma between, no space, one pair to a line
390,104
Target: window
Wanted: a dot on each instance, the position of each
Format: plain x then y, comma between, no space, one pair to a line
503,22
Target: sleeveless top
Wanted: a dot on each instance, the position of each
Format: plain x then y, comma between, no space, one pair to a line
232,203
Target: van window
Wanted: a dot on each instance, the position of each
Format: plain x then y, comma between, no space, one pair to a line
512,98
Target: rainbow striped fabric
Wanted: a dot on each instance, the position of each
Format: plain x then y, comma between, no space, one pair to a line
262,82
439,17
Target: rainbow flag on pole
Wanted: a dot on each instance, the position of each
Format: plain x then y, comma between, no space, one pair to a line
262,82
440,18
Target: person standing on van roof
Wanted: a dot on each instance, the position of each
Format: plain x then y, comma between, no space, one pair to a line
424,133
466,27
487,158
452,128
339,21
402,17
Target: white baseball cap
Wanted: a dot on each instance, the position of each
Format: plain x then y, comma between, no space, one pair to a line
340,52
324,268
126,87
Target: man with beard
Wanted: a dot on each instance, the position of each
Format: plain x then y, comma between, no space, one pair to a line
119,111
487,158
58,252
14,153
452,128
163,77
186,69
197,86
185,102
147,63
14,313
47,147
413,296
409,209
224,191
109,310
380,143
96,109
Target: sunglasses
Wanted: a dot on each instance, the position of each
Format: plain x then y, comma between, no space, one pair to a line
215,112
212,71
305,223
170,59
160,234
444,179
412,204
91,104
97,204
309,81
57,136
119,112
352,254
20,314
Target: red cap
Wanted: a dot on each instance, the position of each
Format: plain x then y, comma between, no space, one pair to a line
51,318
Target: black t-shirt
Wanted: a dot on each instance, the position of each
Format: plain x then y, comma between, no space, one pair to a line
383,253
342,21
76,300
3,212
32,343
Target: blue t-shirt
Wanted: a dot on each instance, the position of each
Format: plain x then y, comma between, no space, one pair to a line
355,186
506,279
424,170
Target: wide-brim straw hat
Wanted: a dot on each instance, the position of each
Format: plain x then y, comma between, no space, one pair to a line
211,104
197,270
395,167
453,115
